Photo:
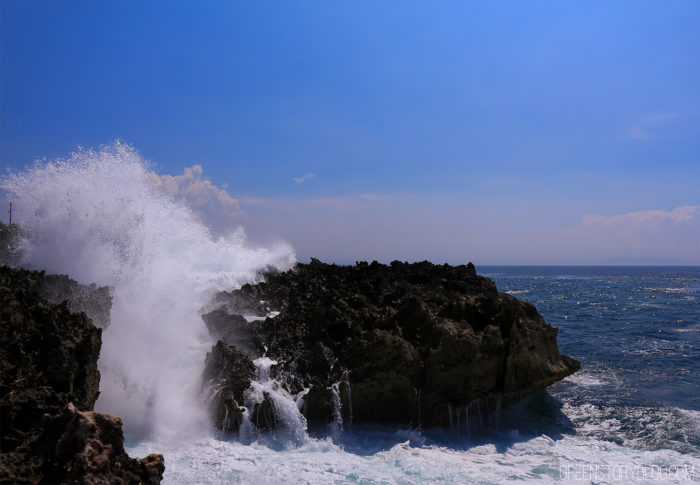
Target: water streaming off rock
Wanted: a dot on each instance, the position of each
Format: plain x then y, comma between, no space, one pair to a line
97,217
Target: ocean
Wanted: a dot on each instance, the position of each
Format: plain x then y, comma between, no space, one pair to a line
631,414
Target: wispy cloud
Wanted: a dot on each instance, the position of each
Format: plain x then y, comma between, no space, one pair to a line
642,128
338,202
375,197
301,180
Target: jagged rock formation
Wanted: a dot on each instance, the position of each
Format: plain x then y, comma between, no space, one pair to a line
415,344
48,386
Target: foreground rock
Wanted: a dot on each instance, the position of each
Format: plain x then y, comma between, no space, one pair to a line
49,383
418,344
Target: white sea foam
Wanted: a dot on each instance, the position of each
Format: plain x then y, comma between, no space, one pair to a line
693,416
585,379
539,459
95,217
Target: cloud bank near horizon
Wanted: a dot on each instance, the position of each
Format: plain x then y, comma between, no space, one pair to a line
646,236
412,227
443,229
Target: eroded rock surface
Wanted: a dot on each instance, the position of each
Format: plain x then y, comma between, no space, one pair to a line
412,343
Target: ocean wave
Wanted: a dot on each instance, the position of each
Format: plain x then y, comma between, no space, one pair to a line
638,427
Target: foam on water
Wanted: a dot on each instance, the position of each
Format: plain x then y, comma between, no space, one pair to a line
538,459
585,379
96,217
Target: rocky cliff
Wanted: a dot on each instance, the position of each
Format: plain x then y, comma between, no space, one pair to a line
417,344
48,386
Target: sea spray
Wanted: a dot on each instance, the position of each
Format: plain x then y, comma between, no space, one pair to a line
270,408
96,217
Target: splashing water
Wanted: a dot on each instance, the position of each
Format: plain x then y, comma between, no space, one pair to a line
96,217
291,424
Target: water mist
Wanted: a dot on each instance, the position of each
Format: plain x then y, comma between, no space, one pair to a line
96,217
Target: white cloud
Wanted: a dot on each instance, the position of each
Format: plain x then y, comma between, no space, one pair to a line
301,180
642,128
216,207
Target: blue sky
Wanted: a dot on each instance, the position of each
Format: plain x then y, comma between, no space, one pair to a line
497,132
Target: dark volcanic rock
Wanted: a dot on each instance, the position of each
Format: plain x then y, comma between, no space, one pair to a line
233,330
48,372
45,345
418,341
227,374
318,405
264,415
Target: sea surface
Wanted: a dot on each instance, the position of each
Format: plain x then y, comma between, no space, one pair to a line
631,414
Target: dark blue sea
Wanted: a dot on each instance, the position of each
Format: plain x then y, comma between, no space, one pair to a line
634,329
630,415
636,332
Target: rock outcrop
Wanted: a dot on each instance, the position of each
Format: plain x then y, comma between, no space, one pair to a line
49,383
417,344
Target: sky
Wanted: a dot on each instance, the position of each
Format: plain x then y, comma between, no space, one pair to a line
500,132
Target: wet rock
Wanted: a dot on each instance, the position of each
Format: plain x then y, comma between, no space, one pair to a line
264,415
318,405
414,340
227,374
